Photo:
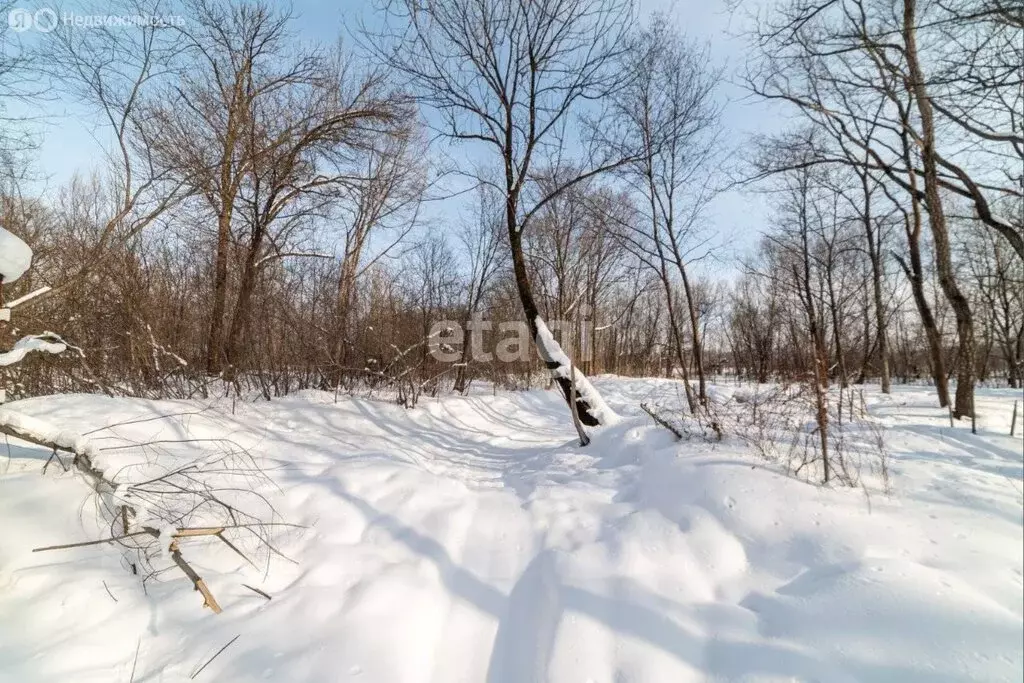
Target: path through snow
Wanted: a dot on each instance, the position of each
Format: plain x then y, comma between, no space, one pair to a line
471,541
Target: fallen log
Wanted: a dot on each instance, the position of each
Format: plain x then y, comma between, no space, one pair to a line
39,433
36,432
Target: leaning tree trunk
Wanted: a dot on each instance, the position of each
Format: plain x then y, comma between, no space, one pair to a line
819,362
561,372
931,328
677,338
964,405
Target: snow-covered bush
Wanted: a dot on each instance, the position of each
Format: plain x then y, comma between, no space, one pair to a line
150,495
15,260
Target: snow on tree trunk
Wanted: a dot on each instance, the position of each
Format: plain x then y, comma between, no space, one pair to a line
593,411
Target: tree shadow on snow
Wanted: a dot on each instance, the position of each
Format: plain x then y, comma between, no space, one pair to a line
529,616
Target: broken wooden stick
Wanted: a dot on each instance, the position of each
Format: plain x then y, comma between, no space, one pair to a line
121,513
186,568
662,421
258,591
197,581
184,532
83,544
215,655
234,548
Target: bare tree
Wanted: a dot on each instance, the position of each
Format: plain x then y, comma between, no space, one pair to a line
299,144
252,119
915,271
385,197
667,111
507,76
964,404
482,240
998,283
794,268
113,73
840,60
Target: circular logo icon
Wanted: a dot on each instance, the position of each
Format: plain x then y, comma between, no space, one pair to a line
19,19
45,20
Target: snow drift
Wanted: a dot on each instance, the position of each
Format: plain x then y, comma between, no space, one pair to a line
471,541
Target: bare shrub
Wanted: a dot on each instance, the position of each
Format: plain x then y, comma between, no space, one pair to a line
778,423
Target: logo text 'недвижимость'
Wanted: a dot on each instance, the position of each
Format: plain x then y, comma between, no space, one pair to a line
46,20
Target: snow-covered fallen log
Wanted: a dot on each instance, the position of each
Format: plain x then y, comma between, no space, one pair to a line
48,436
147,513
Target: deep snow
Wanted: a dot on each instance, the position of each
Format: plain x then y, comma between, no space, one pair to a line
471,540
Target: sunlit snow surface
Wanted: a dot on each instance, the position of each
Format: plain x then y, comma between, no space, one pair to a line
471,540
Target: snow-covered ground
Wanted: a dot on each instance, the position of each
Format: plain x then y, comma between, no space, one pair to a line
471,540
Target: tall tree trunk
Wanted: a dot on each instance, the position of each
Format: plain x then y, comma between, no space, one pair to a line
698,352
214,341
869,346
877,274
844,381
964,404
931,329
915,273
460,372
226,190
819,364
344,302
819,359
1016,360
246,288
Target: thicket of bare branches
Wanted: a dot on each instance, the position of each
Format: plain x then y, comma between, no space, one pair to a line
271,215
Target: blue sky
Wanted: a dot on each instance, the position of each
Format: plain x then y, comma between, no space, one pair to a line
69,136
